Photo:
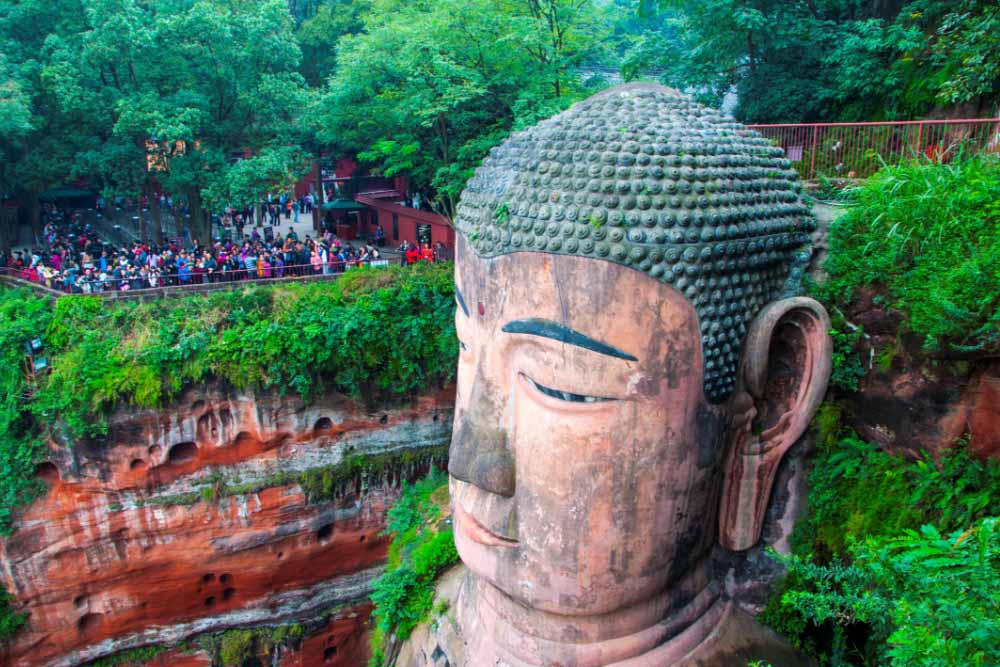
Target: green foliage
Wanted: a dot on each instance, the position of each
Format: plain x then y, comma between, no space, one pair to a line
858,491
378,335
422,548
22,317
929,235
236,647
824,61
848,368
136,657
928,598
890,565
427,88
11,621
100,78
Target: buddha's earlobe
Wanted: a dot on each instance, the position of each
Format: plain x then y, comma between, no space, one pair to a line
783,378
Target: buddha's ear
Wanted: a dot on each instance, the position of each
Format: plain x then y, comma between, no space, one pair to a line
783,377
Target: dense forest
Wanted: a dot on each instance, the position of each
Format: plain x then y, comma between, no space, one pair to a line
106,90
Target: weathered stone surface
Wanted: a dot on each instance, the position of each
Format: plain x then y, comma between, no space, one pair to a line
643,176
909,400
188,520
629,382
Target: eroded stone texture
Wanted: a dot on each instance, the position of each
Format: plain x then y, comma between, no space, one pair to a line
188,520
909,401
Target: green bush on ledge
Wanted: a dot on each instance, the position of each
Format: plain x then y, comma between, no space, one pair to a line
378,335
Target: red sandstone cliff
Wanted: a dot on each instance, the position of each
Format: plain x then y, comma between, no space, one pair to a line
223,511
910,400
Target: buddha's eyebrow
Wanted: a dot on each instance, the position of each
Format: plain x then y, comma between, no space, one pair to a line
461,302
555,331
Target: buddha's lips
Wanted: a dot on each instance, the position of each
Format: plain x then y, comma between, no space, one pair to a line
476,532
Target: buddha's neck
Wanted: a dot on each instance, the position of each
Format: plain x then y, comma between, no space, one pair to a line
675,621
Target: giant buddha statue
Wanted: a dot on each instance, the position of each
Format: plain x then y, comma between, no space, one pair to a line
634,365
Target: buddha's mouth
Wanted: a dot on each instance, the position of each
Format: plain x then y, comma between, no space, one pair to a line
477,532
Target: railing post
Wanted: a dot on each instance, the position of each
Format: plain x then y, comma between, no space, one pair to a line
920,137
812,162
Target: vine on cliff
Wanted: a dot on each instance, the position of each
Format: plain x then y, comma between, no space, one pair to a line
422,548
378,335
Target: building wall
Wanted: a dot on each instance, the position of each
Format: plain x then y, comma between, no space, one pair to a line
406,221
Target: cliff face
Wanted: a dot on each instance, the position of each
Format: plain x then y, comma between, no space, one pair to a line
910,401
223,511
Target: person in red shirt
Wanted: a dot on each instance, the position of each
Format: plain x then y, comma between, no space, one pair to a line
412,255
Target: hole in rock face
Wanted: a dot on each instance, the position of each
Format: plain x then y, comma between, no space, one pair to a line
363,538
210,601
206,426
226,578
47,472
228,593
325,533
80,600
225,417
208,578
436,417
323,424
88,622
137,464
243,437
384,419
182,452
328,653
281,554
154,450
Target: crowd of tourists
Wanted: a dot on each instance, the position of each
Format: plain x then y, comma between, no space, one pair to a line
74,257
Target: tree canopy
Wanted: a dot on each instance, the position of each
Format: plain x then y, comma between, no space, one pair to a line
825,60
102,90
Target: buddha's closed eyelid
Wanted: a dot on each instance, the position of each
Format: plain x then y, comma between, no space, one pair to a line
567,396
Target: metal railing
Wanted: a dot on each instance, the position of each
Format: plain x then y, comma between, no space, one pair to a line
177,284
857,150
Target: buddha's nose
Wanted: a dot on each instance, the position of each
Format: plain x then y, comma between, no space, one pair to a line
479,454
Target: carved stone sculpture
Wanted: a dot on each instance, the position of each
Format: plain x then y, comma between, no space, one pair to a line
634,365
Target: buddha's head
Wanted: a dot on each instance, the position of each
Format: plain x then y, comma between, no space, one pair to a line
633,362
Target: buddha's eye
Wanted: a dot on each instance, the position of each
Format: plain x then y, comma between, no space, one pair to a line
565,395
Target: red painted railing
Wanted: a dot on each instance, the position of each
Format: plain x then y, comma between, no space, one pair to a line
857,150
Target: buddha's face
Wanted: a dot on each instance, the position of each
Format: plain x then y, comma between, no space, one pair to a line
585,461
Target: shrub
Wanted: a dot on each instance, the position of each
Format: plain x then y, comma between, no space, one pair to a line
929,235
378,335
422,549
873,579
11,621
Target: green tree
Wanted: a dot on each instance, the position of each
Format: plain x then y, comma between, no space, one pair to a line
198,81
820,60
429,87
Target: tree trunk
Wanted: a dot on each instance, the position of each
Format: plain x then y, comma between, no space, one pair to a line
199,227
35,216
157,215
8,227
318,199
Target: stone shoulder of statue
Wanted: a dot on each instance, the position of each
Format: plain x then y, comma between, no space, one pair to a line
736,641
634,365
